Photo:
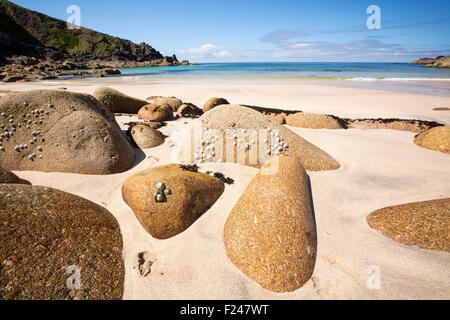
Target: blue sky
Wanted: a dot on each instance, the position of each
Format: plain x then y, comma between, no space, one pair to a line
275,30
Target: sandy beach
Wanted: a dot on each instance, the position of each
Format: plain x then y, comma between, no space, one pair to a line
379,168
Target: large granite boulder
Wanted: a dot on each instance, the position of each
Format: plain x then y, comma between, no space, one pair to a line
57,131
9,177
231,133
437,139
118,102
49,238
214,102
313,121
168,199
156,112
270,233
425,224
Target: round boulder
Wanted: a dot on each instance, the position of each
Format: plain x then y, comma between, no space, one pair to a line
270,233
312,121
214,102
172,102
145,137
156,112
279,118
437,139
59,131
424,224
118,102
168,199
57,246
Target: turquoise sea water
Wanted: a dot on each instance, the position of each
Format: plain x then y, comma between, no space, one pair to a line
306,70
401,77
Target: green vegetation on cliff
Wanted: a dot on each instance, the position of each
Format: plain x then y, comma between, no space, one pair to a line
25,25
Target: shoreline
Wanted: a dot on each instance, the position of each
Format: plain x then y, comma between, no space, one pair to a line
430,86
327,97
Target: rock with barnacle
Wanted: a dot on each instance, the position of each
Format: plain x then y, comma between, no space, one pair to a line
47,235
146,137
117,102
78,135
270,233
172,102
243,135
189,110
156,112
214,102
168,199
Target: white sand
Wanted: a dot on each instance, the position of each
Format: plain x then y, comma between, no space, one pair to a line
379,168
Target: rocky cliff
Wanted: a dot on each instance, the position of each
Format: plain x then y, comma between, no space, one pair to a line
439,62
29,38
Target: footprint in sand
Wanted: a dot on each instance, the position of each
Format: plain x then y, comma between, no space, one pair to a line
145,260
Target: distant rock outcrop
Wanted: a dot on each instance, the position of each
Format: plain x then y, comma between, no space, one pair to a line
423,61
270,233
168,199
59,131
49,238
439,62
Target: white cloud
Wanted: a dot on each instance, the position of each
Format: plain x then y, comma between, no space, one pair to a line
312,51
206,51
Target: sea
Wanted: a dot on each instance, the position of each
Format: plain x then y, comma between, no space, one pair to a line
403,77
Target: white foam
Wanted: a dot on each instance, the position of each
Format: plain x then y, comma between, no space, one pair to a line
398,79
